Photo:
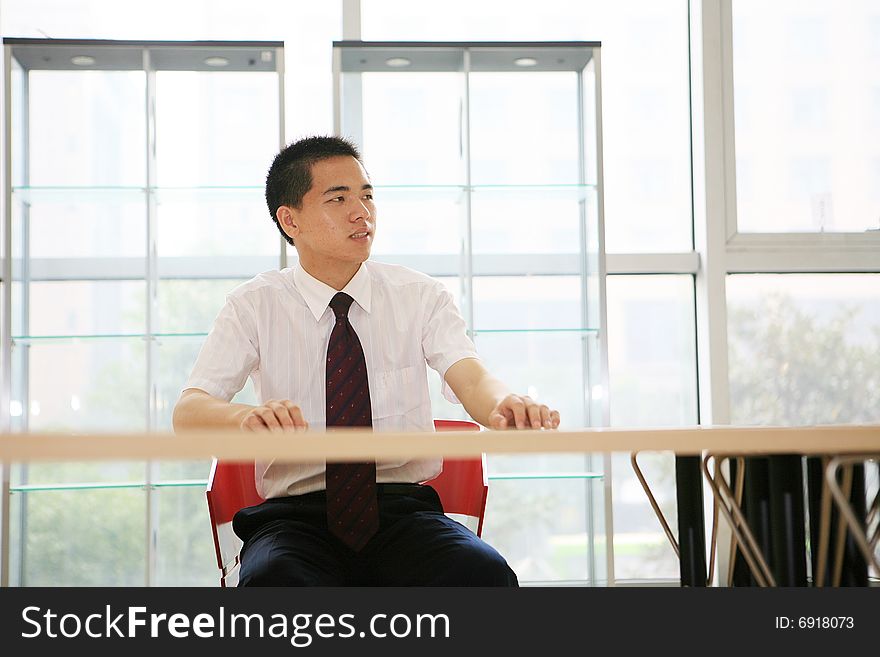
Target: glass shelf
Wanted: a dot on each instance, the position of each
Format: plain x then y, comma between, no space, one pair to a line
420,188
30,339
568,193
25,339
68,195
253,193
586,331
80,194
40,488
488,192
202,483
520,476
94,242
86,192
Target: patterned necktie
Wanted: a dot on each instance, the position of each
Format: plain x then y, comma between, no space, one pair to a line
352,510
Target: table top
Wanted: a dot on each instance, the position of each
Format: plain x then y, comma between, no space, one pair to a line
346,445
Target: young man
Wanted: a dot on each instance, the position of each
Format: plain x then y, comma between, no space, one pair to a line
340,341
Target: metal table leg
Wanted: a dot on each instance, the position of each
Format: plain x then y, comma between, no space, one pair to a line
728,504
788,520
850,502
691,525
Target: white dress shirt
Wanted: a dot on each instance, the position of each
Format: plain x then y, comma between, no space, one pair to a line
275,328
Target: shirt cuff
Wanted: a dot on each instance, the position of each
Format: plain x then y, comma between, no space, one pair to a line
210,387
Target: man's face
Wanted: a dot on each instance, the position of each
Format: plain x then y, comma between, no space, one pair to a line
338,218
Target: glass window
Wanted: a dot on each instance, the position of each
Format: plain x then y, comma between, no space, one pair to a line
412,128
55,474
547,366
191,305
522,126
87,128
418,220
66,223
507,220
645,115
185,549
652,350
82,308
803,348
311,26
79,538
811,164
82,385
653,376
540,527
527,302
215,128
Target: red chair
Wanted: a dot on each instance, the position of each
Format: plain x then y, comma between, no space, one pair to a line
462,486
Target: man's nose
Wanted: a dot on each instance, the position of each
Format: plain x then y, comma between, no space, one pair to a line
360,211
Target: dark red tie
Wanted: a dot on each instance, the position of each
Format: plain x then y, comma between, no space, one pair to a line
352,511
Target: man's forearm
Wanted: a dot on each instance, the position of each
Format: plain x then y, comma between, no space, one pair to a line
486,394
477,390
199,410
490,403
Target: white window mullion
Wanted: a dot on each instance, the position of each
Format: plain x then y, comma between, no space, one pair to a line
712,205
714,213
653,263
804,253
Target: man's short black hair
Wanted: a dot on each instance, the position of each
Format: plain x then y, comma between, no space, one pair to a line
290,175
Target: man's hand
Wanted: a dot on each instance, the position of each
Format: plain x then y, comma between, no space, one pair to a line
522,412
479,391
275,415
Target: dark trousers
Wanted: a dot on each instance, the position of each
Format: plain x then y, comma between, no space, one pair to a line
286,543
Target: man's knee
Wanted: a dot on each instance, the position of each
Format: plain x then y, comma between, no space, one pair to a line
285,573
290,554
283,566
479,565
272,573
493,570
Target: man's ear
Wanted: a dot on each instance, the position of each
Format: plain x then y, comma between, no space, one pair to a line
288,220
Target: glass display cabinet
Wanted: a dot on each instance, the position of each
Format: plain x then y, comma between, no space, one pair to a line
133,202
486,161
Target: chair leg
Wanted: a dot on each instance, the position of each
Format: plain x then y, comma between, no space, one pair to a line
657,511
824,531
713,540
874,515
738,493
738,525
841,498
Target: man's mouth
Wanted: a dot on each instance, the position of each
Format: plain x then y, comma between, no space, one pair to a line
360,235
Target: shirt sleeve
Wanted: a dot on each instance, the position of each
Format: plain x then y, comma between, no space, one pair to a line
230,353
444,336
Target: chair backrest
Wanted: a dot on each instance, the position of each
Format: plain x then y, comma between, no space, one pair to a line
463,485
463,488
230,487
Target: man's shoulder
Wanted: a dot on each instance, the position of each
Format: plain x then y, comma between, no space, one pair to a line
269,283
398,275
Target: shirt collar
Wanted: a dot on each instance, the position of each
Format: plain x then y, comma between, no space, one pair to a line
318,294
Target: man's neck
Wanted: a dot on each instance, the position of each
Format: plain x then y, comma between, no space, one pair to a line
336,276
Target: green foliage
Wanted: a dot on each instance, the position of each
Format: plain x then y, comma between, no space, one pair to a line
84,538
185,546
787,367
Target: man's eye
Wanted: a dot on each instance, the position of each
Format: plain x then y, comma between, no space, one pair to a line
369,197
338,199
